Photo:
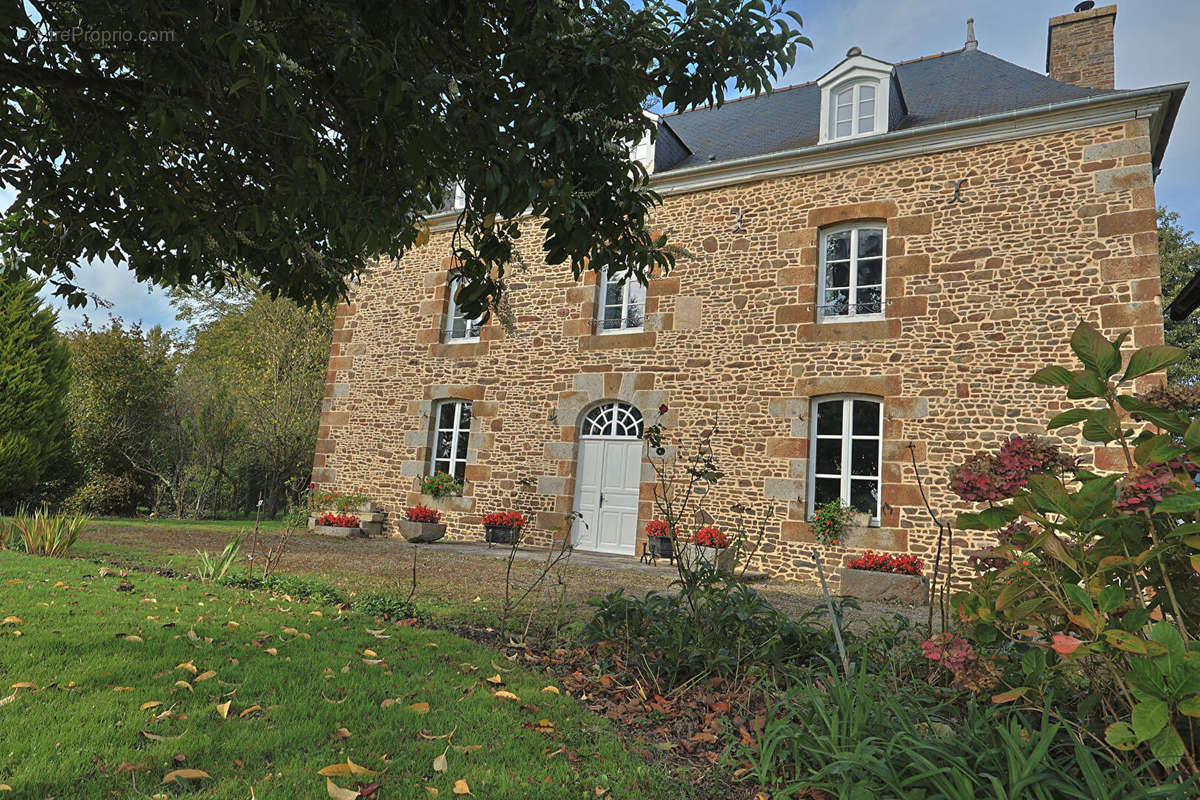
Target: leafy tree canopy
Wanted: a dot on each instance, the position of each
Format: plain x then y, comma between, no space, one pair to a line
1179,259
33,385
297,140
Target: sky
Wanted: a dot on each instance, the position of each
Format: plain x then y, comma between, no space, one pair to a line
1155,45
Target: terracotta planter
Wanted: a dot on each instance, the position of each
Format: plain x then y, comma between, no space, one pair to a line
885,586
721,558
421,532
500,534
660,546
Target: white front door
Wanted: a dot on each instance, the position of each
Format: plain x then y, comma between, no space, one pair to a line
610,474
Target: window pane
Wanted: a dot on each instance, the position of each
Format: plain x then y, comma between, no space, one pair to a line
870,271
865,421
864,457
844,129
837,274
837,246
444,438
829,457
613,293
464,420
460,469
637,292
866,124
829,417
866,92
441,466
826,489
446,415
864,496
634,317
464,441
844,112
870,242
870,301
612,318
837,302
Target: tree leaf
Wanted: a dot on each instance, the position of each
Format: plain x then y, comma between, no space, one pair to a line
461,787
1190,706
185,774
1149,717
503,695
1121,736
1072,417
1179,503
1052,376
440,764
1152,359
336,792
1167,747
419,708
1065,644
1124,640
1096,352
223,709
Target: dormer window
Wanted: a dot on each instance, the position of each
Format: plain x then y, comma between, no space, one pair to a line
859,97
854,110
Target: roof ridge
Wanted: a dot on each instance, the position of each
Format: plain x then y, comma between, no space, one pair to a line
710,106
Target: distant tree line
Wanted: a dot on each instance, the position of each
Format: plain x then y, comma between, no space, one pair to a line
115,418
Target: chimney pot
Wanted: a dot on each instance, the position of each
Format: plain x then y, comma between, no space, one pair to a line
1079,46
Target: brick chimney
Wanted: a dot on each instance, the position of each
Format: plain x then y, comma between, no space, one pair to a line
1079,46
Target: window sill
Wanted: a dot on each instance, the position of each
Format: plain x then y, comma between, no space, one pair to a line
842,320
618,331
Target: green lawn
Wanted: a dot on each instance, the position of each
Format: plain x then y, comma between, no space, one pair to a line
297,678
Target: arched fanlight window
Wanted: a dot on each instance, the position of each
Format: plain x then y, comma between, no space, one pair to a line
613,420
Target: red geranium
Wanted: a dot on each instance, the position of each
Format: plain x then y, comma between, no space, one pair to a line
337,520
710,536
504,519
422,514
904,564
657,529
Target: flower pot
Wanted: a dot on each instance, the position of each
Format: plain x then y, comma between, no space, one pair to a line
338,532
719,558
421,532
660,546
894,587
500,534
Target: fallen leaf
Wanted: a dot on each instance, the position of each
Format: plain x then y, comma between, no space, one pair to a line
465,667
503,695
370,653
341,733
206,675
232,624
6,700
149,704
185,774
495,680
122,688
133,637
154,737
189,666
24,685
271,651
223,709
440,764
249,711
12,621
338,793
546,725
291,631
461,787
601,791
388,702
550,690
419,708
184,685
433,792
467,748
4,787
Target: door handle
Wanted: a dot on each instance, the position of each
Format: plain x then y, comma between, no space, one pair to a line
602,500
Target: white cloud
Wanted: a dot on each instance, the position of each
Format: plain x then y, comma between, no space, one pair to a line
131,300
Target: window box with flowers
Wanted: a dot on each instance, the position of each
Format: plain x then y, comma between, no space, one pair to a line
885,577
709,546
502,527
338,524
659,539
421,525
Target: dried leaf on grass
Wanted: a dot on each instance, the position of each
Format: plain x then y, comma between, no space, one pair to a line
348,768
440,764
419,708
185,774
149,704
338,793
249,711
223,709
503,695
461,787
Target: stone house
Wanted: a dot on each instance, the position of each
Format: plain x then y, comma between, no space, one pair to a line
880,260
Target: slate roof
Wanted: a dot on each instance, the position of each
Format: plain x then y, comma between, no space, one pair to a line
958,85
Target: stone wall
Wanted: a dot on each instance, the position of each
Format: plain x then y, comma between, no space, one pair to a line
980,293
1079,48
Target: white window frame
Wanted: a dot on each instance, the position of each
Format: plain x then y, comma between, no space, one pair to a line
471,327
846,437
601,305
852,314
456,428
854,71
857,118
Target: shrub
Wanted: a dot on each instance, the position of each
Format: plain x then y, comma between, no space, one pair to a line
293,586
1086,561
105,495
504,519
905,564
385,606
441,484
829,521
730,630
337,520
45,534
422,514
215,567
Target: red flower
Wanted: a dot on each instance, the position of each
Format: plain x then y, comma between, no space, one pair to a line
657,529
422,514
338,520
310,484
504,519
904,564
710,536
